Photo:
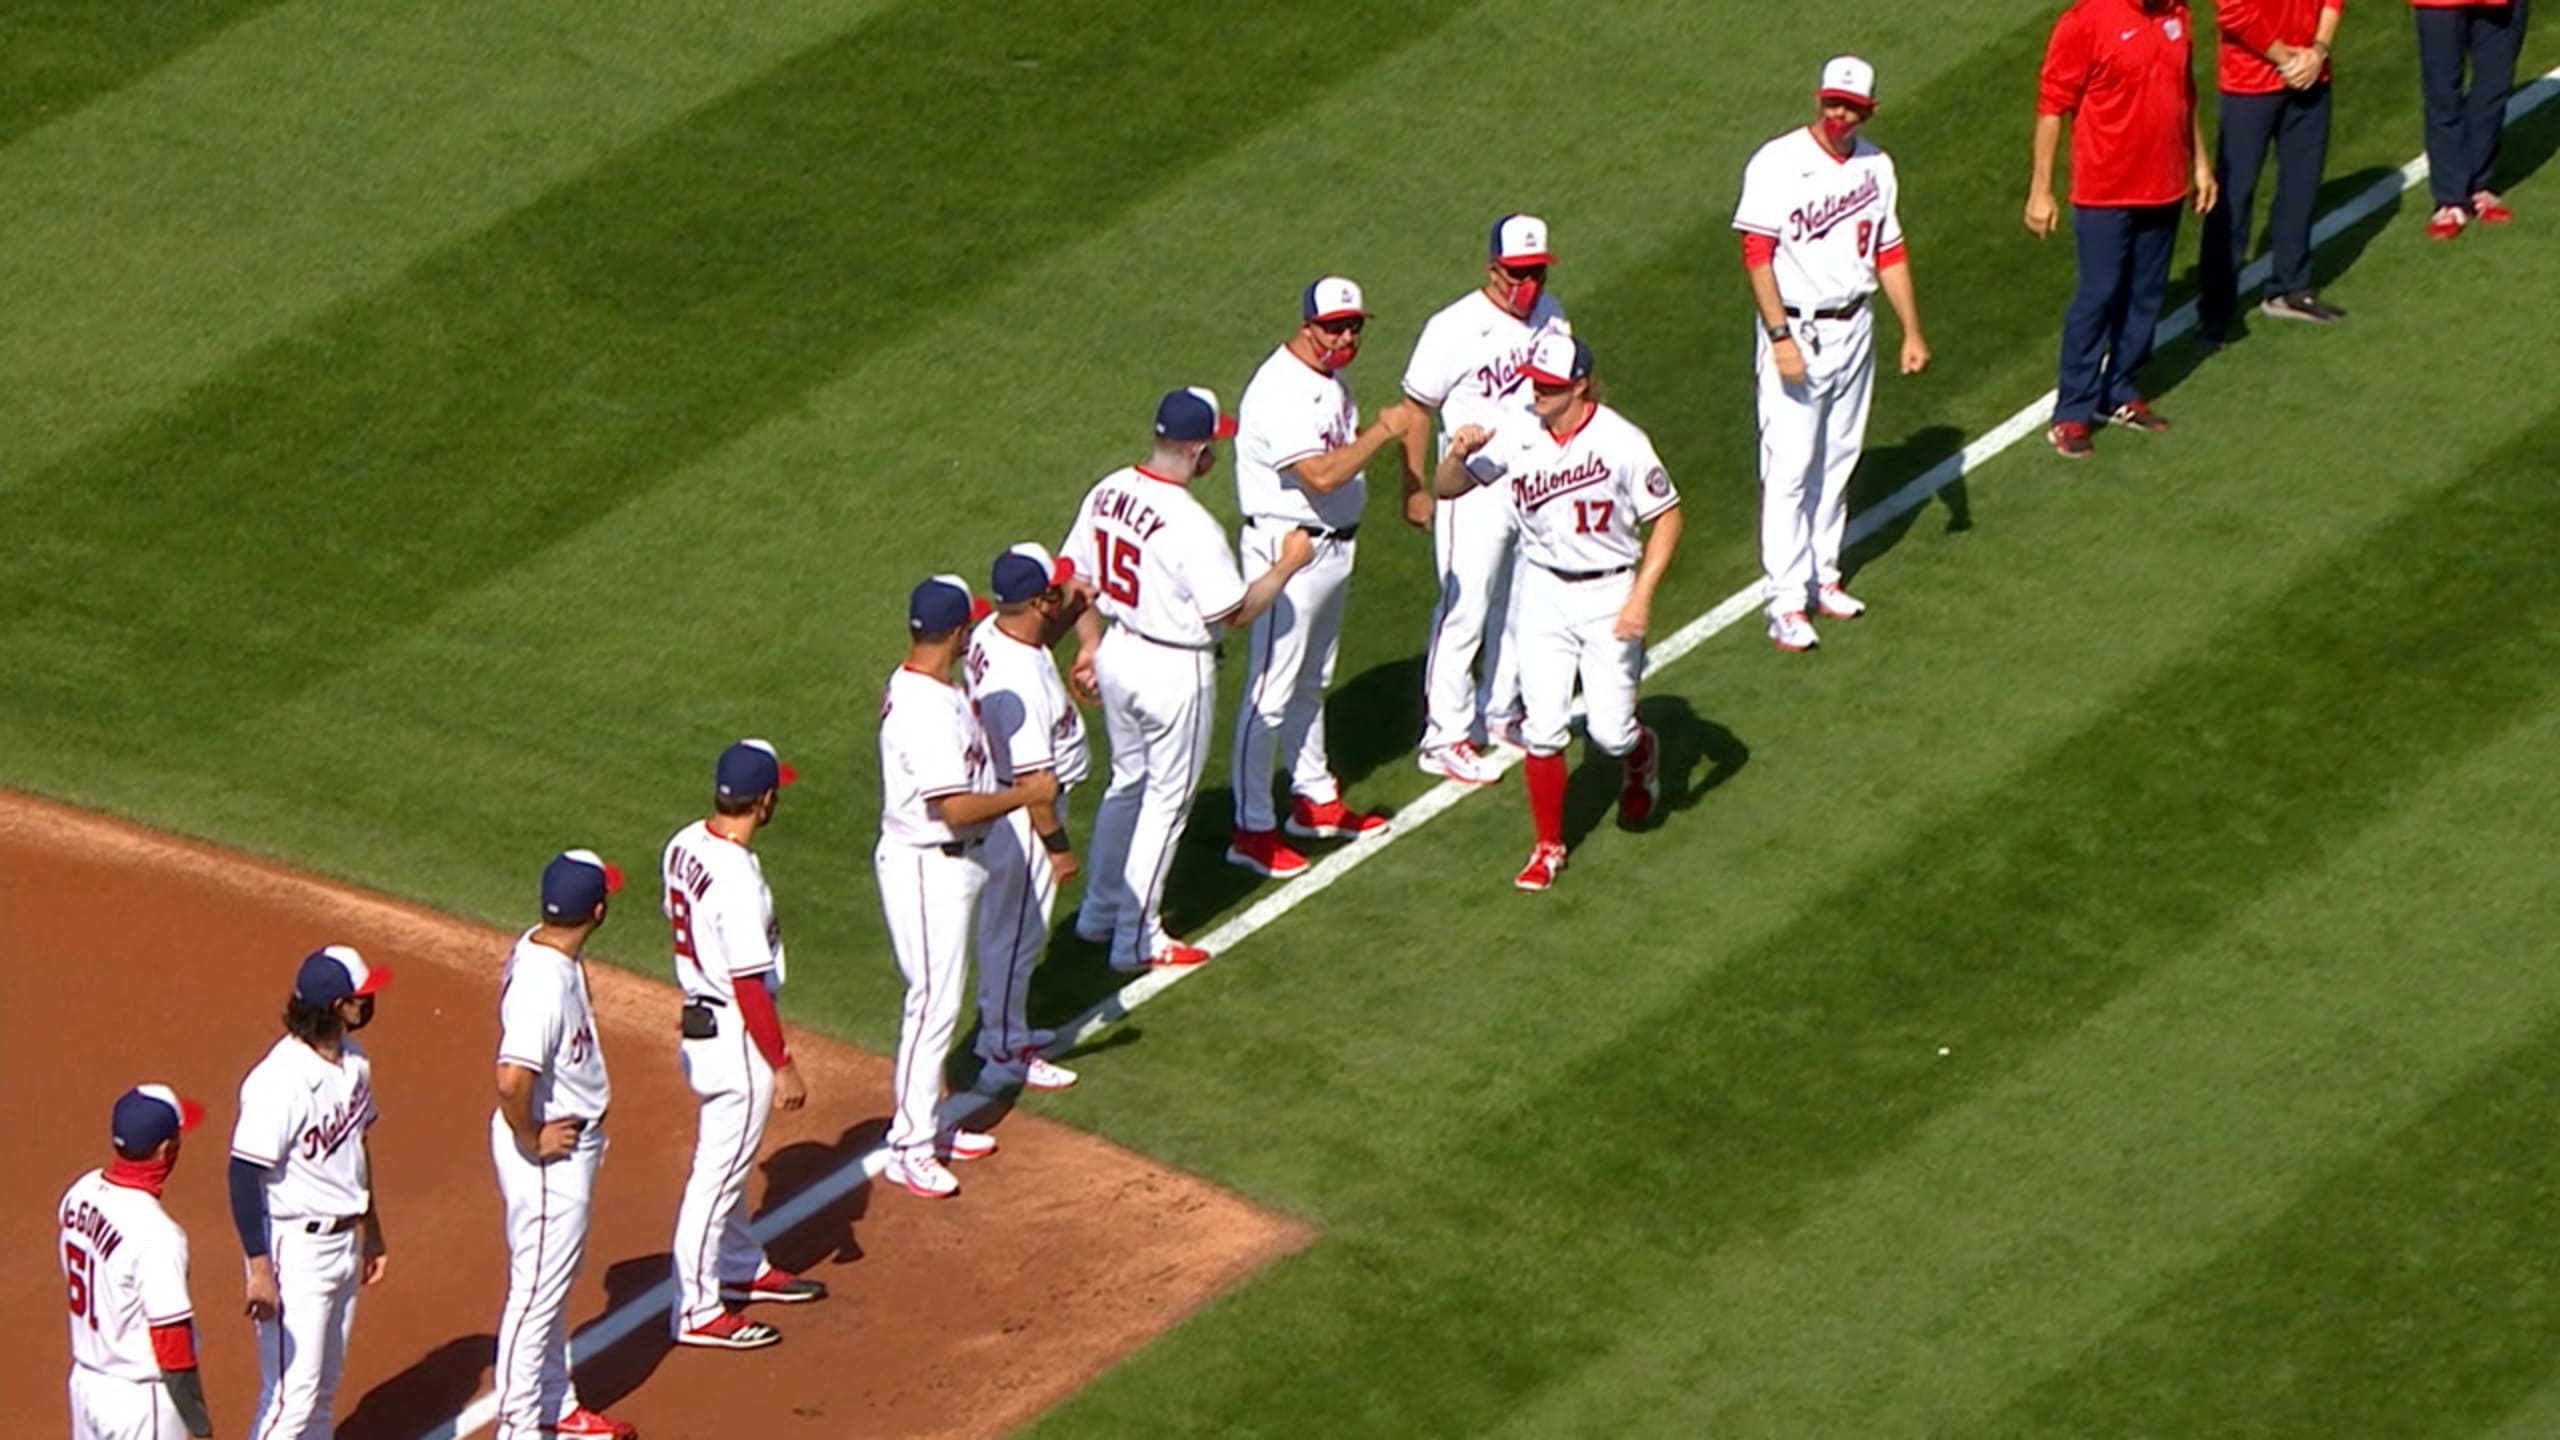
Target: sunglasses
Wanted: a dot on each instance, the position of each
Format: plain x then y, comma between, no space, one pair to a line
1351,325
1522,272
1546,389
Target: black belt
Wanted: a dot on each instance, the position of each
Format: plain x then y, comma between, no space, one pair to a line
1312,532
325,1226
1581,575
957,848
1170,644
1836,312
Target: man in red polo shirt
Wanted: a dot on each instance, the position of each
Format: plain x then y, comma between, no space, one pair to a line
2118,69
2463,125
2274,84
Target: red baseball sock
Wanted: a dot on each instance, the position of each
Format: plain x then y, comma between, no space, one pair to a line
1546,796
1640,758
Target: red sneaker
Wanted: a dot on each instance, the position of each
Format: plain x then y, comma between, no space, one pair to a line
1174,956
732,1331
1545,862
1644,780
1331,820
592,1425
779,1286
2488,209
1264,853
2070,440
2138,415
2447,222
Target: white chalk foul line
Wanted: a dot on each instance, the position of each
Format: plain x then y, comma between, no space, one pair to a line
654,1305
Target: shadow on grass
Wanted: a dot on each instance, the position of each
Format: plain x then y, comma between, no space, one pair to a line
1697,756
440,1383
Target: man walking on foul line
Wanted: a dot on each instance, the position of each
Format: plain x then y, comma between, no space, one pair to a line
2118,70
1820,232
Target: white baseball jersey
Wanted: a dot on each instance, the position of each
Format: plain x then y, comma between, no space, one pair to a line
302,1120
1466,365
930,747
1580,497
1831,216
124,1262
1157,557
1292,411
721,912
547,1024
1023,708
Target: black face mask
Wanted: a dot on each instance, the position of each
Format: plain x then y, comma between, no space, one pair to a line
364,1013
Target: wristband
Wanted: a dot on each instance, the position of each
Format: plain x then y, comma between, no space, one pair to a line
1777,332
1055,841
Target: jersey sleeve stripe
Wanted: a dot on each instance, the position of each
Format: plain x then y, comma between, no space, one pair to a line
521,1062
1657,511
1768,230
181,1318
945,792
1299,458
263,1162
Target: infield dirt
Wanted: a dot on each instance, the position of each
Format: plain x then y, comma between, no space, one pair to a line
128,956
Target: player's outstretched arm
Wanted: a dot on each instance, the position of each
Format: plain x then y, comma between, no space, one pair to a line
1452,479
1295,551
1039,787
1335,468
1418,493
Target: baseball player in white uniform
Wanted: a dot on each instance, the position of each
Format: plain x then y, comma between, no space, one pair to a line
302,1192
1466,367
729,962
1163,584
1584,482
1821,230
124,1271
939,796
1030,726
1299,453
546,1139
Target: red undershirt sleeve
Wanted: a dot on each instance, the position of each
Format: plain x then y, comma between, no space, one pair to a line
174,1346
1893,255
755,1006
1758,250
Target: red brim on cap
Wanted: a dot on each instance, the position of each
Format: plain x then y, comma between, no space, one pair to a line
1226,427
785,774
190,1114
1325,318
1537,376
1061,572
612,878
980,607
375,977
1538,257
1851,96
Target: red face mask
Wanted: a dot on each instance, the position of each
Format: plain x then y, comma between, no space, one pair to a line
1521,296
144,1175
1338,356
1838,131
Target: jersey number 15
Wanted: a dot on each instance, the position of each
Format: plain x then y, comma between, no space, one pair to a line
1118,560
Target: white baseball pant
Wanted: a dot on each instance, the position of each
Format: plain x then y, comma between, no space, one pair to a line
1471,670
1566,633
106,1408
733,1091
1156,703
1013,929
302,1350
928,897
1810,438
1288,664
546,1210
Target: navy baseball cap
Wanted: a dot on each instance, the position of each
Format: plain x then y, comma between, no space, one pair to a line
1332,298
941,603
148,1114
750,767
575,883
1191,413
1520,241
336,972
1557,360
1025,571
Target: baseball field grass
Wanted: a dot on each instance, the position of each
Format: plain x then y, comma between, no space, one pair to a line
2107,992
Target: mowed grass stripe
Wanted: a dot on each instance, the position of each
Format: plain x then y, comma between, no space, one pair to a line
2162,1190
1745,1106
57,55
306,156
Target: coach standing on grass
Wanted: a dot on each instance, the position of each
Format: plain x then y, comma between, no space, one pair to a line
2463,126
2118,69
2274,88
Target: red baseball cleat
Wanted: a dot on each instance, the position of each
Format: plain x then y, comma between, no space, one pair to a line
2138,415
732,1331
2447,222
1264,853
2070,440
590,1425
1332,820
779,1286
1644,780
2489,209
1545,862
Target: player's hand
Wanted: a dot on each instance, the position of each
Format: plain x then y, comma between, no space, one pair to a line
1633,617
2042,214
1039,787
1063,866
1468,439
376,1265
1399,417
790,1092
556,1139
1417,508
1915,354
1297,550
1789,358
1082,679
263,1301
2208,189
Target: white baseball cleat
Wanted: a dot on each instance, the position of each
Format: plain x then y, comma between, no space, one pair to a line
964,1145
1839,604
1029,1072
1792,631
1508,731
923,1175
1461,762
